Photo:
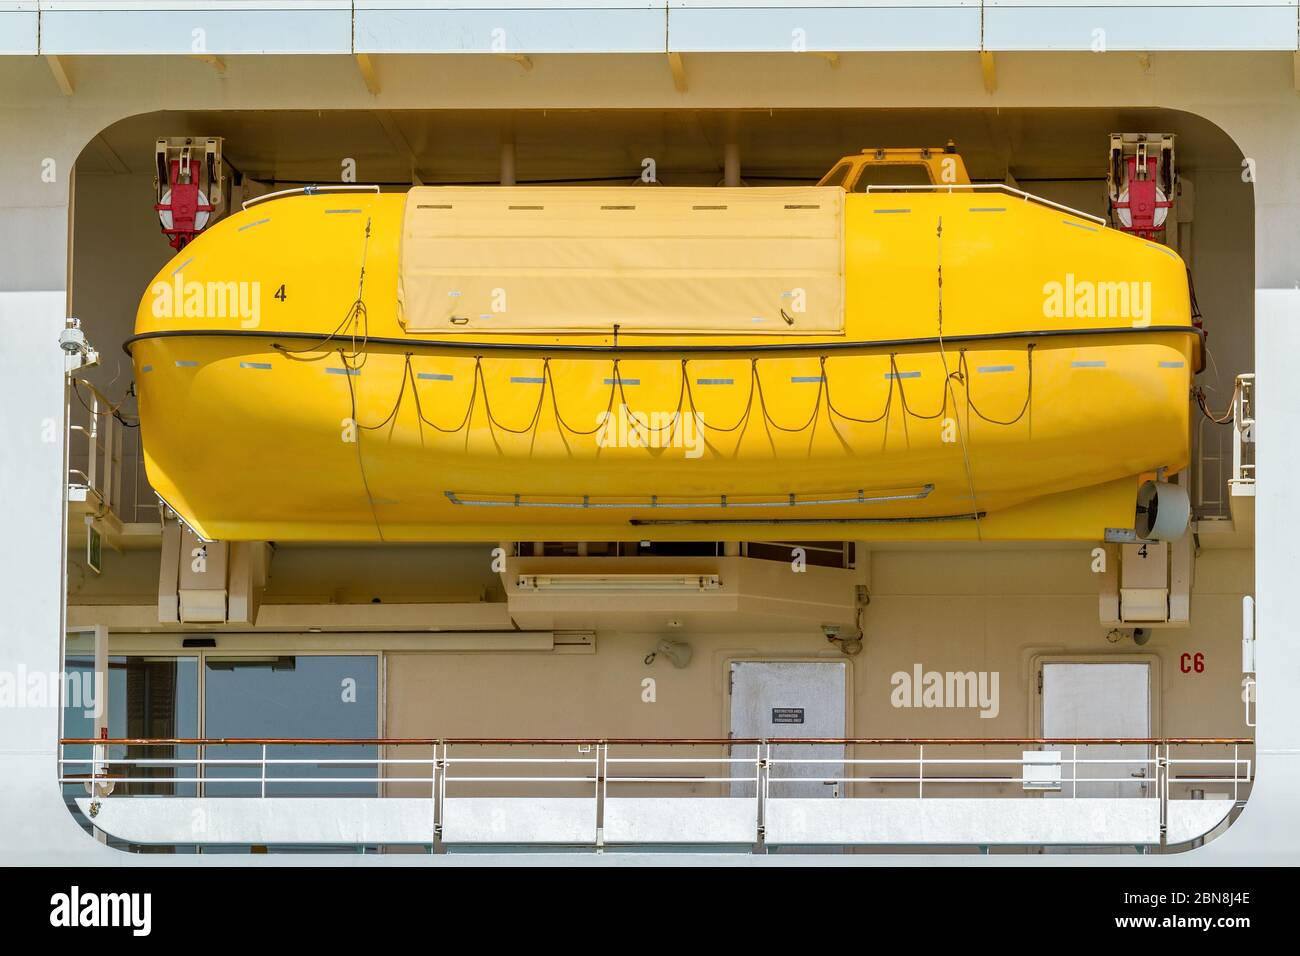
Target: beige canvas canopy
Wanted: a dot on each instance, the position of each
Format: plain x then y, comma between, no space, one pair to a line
583,259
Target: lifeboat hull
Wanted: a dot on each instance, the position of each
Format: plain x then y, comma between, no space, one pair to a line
1009,417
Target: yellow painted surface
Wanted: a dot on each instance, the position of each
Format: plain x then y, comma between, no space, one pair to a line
248,434
885,165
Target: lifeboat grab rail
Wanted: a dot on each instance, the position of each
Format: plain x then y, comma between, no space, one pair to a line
995,187
311,191
722,501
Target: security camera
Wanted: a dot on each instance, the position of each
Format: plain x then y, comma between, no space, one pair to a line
74,345
72,340
832,631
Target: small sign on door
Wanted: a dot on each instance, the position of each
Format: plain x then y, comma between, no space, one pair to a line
787,715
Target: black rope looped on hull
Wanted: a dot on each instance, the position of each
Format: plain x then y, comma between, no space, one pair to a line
685,400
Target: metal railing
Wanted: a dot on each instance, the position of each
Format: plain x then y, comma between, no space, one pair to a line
1223,470
989,187
310,191
1243,432
761,770
105,459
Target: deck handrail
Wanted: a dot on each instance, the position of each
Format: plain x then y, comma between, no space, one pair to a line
666,741
993,187
756,775
311,191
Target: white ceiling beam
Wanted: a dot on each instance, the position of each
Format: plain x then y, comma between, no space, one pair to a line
989,69
524,61
59,68
216,62
367,67
679,71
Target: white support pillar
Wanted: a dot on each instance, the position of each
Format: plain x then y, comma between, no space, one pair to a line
1261,835
508,158
731,164
32,574
731,151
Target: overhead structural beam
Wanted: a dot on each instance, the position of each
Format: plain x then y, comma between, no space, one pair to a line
395,136
215,62
110,155
990,70
508,161
367,68
59,68
731,151
679,71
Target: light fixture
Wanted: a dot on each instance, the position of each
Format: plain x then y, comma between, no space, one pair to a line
618,582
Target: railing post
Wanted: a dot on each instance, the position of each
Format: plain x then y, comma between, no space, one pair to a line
92,444
1236,769
441,756
601,753
109,439
264,770
920,771
1162,789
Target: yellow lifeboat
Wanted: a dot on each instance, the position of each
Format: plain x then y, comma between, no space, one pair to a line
901,360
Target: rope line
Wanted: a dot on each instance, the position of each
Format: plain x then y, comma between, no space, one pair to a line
686,400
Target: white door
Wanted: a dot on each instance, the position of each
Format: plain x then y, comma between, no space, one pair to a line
1100,700
789,699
